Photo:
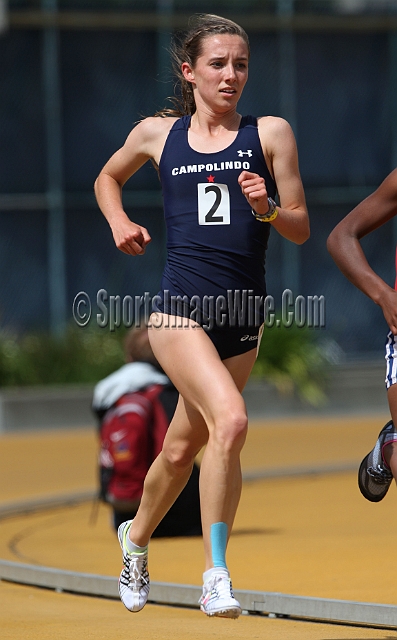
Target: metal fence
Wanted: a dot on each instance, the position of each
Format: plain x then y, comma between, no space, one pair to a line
76,75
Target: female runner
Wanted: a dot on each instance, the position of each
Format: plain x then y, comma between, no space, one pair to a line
219,173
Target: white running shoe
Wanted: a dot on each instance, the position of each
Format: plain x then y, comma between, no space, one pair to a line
134,582
218,597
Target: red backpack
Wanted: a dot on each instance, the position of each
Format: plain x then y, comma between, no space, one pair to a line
131,436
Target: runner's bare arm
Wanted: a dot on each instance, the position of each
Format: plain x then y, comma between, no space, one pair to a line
344,246
144,142
279,146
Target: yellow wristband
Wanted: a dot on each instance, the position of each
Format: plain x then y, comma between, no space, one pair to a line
265,217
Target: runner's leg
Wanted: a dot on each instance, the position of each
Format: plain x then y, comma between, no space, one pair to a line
210,388
169,472
390,450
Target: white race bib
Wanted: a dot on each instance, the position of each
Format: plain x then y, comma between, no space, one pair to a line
213,203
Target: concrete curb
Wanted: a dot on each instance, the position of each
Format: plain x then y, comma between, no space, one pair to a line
165,593
45,502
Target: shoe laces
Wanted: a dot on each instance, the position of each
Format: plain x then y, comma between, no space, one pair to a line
222,585
379,474
137,569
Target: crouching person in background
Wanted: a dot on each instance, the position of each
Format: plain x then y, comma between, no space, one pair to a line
134,406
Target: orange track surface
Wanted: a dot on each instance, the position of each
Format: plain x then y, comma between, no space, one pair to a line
312,535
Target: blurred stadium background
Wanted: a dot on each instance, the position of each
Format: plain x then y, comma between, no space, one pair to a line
75,75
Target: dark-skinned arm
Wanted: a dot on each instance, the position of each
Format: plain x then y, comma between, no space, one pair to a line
344,246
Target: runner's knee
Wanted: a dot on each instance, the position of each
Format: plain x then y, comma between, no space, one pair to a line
179,455
231,430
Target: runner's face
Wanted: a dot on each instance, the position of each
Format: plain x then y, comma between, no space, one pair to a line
221,71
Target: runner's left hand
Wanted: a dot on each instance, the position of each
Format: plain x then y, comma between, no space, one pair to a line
254,188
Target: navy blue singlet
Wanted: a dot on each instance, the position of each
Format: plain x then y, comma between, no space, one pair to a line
215,246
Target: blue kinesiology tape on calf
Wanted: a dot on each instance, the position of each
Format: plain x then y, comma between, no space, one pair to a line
218,544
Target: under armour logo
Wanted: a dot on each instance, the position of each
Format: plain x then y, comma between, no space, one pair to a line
244,153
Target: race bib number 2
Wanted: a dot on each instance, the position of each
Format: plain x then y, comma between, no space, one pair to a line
213,203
